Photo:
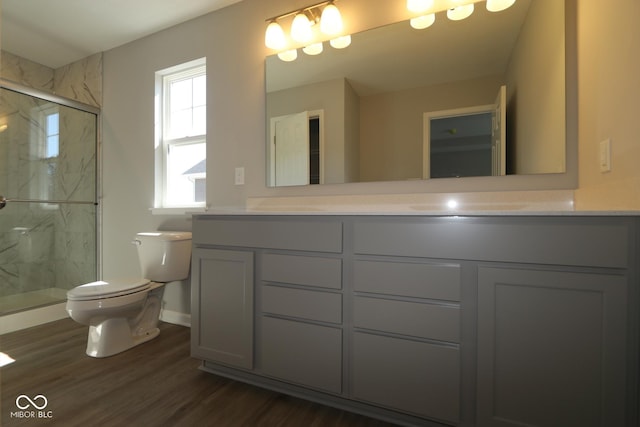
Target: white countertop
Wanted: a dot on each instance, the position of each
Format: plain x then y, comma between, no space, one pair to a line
516,203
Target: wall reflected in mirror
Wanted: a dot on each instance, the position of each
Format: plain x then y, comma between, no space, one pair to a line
372,98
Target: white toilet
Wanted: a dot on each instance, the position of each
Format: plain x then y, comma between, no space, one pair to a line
123,313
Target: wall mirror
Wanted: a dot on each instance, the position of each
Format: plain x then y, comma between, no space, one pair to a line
370,101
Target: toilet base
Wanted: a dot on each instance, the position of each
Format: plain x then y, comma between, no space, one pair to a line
113,336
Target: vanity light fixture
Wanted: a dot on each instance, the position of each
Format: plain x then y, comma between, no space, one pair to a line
499,5
459,13
325,13
331,20
422,22
274,38
301,28
288,55
420,7
313,49
461,9
340,42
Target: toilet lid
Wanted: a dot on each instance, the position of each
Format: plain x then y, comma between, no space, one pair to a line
107,289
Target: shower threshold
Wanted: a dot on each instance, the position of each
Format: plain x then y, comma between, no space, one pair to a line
16,303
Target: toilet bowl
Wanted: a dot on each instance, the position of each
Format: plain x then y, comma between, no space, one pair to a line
123,313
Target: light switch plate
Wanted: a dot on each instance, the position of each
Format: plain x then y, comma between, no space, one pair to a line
605,155
239,177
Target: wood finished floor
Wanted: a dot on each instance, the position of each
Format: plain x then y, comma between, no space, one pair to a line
155,384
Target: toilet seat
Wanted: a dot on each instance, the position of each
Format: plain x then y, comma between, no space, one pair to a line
103,289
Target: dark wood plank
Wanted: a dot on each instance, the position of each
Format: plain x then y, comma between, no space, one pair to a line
155,384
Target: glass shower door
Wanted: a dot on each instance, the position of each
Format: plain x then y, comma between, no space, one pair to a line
48,206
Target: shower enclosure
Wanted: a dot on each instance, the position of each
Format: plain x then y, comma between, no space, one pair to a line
48,197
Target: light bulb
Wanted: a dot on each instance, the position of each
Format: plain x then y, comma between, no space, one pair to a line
301,28
288,55
422,22
419,6
459,13
313,49
340,42
499,5
331,20
274,36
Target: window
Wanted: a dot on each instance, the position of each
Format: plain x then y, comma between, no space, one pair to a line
44,149
181,136
52,131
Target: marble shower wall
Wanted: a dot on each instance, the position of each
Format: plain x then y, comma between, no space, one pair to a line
44,245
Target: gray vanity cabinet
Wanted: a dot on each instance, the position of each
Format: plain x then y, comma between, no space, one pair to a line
453,321
222,306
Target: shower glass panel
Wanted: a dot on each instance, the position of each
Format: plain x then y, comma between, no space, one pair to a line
48,178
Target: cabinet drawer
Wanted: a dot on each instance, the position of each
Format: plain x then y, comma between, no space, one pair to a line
435,281
302,303
302,270
300,353
431,321
293,234
536,240
411,376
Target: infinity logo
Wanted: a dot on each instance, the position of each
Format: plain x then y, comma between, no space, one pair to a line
31,402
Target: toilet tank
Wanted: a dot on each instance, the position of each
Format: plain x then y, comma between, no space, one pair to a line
164,256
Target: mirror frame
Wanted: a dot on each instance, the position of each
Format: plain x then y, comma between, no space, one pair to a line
567,180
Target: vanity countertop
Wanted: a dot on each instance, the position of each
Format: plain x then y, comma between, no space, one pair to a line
247,212
515,203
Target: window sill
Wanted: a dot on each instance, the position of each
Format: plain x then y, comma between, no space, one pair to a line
185,210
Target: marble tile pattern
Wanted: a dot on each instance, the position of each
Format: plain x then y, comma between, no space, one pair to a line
26,73
80,81
45,245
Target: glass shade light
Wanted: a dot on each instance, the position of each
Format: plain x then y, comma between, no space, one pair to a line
422,22
419,6
331,20
499,5
313,49
301,28
288,55
340,42
274,37
459,13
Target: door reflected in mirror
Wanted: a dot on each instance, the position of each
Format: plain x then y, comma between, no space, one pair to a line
294,150
460,146
375,94
466,142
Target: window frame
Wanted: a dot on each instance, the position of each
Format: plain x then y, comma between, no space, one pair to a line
163,143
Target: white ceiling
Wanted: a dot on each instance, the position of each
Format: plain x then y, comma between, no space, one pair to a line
58,32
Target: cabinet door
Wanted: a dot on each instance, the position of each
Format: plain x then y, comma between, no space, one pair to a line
222,306
551,348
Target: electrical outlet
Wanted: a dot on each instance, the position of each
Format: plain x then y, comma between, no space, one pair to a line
239,177
605,155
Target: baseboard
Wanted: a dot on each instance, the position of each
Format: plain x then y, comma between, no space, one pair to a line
34,317
176,318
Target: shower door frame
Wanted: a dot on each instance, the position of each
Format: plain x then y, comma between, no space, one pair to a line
66,102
